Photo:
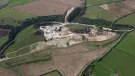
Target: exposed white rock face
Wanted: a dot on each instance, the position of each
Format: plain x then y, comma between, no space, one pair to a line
55,32
60,36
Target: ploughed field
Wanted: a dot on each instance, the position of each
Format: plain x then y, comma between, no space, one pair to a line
120,8
48,7
99,2
3,32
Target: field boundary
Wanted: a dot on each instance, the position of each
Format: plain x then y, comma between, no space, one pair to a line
104,54
52,71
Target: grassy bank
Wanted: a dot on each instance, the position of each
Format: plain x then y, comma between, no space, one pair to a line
97,12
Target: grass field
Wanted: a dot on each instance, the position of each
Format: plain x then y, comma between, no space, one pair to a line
120,62
8,13
100,70
97,12
121,59
23,51
29,58
3,40
127,44
25,37
3,2
127,20
99,2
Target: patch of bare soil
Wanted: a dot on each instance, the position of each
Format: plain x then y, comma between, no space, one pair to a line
74,3
69,61
72,64
5,72
43,8
116,9
48,7
128,4
36,69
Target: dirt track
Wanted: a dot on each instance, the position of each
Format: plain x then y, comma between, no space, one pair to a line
48,7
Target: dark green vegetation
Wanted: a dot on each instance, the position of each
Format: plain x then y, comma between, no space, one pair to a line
99,2
8,15
52,73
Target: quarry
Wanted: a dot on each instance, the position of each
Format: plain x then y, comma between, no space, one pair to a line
60,35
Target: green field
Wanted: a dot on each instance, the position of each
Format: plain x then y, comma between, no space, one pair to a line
23,51
3,40
127,20
99,2
121,59
3,2
100,70
97,12
11,16
24,38
127,44
29,58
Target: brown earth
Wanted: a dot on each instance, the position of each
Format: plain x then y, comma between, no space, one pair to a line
129,4
5,72
116,9
120,8
72,64
73,3
48,7
36,69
